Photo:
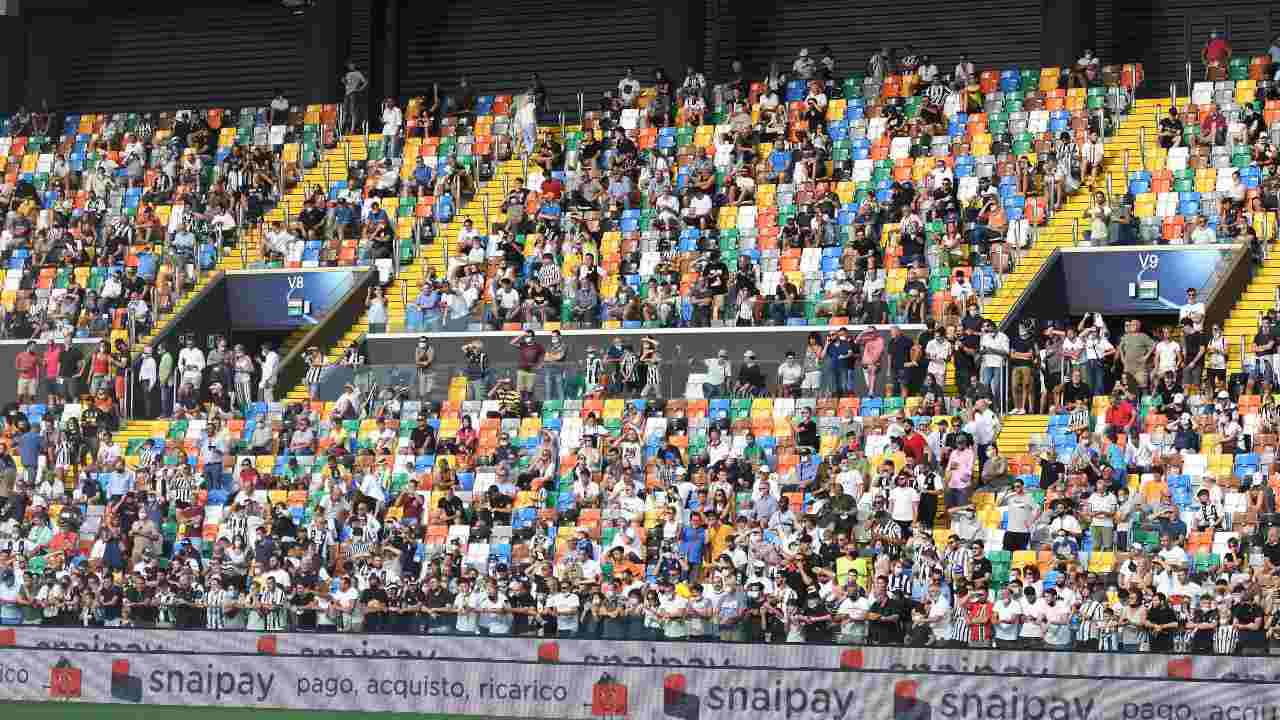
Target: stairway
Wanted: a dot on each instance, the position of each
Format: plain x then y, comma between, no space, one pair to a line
404,288
491,195
1058,232
331,169
1015,435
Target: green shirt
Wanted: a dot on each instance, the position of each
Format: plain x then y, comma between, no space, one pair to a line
166,368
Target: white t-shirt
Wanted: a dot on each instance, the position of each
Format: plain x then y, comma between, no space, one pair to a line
468,620
699,625
939,617
1101,506
1195,311
1166,356
1074,347
496,622
674,628
560,602
939,352
1033,616
902,502
1006,618
855,610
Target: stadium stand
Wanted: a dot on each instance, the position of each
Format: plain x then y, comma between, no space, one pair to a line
856,494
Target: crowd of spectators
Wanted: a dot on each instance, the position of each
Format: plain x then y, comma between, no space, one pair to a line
844,497
893,194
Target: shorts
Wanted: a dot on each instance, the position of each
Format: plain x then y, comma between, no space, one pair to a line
1191,375
956,497
1260,369
525,380
1139,376
27,386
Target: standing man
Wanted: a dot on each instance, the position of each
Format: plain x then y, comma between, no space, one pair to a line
1136,348
983,426
148,377
270,366
354,84
423,357
191,364
531,355
164,379
994,348
392,120
1194,344
27,367
71,369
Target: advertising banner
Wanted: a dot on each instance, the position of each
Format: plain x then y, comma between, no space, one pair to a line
531,690
1139,282
71,641
286,300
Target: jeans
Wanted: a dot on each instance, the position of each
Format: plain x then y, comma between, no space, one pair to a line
832,380
432,321
1094,376
477,389
553,383
391,145
993,377
710,391
213,475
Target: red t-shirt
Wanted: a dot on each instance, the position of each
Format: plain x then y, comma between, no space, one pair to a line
913,445
1120,415
25,364
1217,50
51,362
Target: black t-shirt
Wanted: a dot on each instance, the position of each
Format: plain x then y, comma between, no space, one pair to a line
886,631
1262,342
521,623
900,350
1050,471
717,277
1272,551
1020,345
807,433
968,341
1076,391
69,360
372,594
981,568
1247,612
451,505
1162,615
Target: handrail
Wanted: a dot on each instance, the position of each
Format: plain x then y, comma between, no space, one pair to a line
1142,146
1188,78
1075,231
1126,165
